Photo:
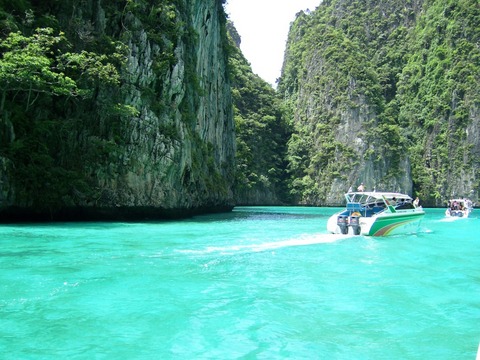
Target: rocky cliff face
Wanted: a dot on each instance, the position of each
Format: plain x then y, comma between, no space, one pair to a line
383,93
335,91
173,154
191,168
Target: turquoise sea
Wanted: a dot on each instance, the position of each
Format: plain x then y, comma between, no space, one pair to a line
256,283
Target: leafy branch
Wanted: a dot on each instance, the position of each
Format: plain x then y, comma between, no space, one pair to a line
36,64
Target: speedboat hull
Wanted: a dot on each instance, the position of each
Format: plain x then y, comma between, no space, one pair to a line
457,213
390,224
380,225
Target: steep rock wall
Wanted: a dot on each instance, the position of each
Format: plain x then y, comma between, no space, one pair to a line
383,93
334,89
174,154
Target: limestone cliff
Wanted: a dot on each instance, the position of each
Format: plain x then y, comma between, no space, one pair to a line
171,154
384,93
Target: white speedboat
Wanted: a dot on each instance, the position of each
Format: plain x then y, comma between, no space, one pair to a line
376,214
459,208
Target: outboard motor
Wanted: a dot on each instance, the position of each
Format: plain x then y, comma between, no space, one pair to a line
342,222
456,213
355,224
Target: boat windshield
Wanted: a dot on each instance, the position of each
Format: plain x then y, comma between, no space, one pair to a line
360,198
364,199
377,201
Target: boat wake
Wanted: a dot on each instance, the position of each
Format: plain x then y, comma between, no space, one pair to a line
302,241
450,219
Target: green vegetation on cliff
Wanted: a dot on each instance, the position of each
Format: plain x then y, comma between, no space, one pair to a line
261,134
385,93
38,72
110,105
439,97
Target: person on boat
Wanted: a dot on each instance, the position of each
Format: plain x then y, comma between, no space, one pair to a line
361,187
393,202
416,202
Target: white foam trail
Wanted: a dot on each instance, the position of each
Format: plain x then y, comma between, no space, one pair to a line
450,219
306,240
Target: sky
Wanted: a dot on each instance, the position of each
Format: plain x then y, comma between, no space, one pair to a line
263,27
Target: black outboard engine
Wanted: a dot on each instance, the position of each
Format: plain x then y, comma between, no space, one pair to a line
355,224
342,222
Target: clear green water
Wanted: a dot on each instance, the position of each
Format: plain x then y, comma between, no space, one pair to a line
257,283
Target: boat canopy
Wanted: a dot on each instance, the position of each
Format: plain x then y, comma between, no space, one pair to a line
366,198
370,203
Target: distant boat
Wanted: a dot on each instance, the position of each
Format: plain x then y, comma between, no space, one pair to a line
459,208
376,214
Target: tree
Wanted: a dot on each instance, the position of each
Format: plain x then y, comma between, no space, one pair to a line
38,64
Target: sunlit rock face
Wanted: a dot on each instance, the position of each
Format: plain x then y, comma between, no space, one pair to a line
374,102
181,155
173,155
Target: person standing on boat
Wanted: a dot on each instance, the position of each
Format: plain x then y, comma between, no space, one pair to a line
416,202
361,187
